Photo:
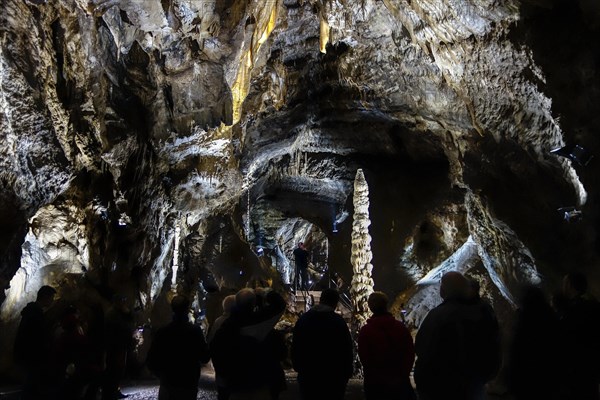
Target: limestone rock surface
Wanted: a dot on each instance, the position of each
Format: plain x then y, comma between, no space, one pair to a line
132,129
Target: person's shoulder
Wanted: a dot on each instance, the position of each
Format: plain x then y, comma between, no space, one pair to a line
399,325
437,314
196,330
438,310
32,310
307,318
338,320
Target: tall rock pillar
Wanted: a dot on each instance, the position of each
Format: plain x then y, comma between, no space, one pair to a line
362,282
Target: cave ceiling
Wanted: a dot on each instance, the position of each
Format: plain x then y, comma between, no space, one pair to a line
137,135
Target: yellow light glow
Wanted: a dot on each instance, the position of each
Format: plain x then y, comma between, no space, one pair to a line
270,27
240,87
323,35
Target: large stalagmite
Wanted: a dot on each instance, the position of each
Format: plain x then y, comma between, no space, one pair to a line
362,282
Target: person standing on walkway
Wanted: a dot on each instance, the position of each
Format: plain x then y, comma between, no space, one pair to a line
301,256
322,351
387,353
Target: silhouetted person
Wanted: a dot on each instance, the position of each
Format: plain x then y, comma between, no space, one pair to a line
177,354
535,356
386,352
322,350
482,333
95,335
456,345
118,335
228,305
301,256
276,352
72,357
239,347
580,328
33,345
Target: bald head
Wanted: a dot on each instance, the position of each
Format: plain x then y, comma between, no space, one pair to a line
454,286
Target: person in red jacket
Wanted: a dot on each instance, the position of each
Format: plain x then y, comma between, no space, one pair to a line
387,353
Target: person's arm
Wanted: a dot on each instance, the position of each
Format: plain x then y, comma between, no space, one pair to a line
364,346
424,349
347,347
408,350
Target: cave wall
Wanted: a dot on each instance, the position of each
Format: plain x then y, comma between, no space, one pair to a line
138,135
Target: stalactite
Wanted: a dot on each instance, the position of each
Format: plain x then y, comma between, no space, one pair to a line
305,166
248,216
4,106
175,267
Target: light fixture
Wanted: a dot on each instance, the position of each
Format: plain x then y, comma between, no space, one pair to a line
571,214
574,153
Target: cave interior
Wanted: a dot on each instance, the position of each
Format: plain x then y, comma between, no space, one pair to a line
157,147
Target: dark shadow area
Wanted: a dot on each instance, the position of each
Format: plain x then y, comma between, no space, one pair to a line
561,34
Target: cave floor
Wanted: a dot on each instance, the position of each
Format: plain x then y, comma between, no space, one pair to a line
148,389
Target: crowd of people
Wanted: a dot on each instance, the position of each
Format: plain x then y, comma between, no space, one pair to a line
552,353
69,358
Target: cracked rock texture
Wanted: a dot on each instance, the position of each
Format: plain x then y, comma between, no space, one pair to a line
137,135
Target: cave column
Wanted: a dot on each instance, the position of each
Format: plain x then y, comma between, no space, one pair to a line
362,282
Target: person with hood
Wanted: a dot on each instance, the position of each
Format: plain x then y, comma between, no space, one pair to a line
387,353
33,345
177,354
456,345
322,351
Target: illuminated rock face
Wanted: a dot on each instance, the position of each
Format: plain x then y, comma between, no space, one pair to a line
238,124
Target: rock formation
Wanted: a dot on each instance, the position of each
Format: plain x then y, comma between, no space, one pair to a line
241,123
362,282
